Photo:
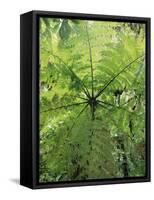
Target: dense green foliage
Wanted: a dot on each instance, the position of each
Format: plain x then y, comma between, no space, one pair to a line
92,100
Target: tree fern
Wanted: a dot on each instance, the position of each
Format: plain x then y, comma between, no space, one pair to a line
91,100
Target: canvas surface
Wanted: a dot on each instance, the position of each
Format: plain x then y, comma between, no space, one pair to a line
92,100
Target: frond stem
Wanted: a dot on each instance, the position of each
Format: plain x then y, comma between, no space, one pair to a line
85,89
64,106
115,76
91,62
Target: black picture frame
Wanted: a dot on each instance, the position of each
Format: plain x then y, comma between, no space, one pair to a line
29,99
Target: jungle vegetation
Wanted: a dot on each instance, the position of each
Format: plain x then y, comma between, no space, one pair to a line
92,99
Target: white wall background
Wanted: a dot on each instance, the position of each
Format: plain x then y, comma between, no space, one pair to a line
9,98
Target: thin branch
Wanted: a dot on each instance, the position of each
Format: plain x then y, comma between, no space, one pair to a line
106,103
64,106
77,96
102,105
119,105
77,118
85,89
115,76
115,107
91,62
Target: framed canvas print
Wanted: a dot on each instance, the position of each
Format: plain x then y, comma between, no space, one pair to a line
85,99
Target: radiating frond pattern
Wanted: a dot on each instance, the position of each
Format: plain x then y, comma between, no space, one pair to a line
92,100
